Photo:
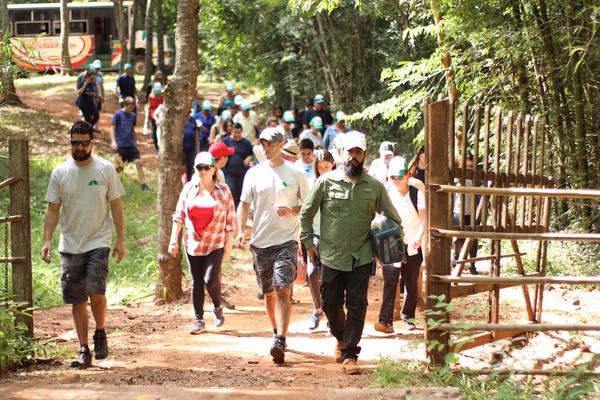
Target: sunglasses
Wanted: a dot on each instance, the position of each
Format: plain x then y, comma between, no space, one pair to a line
77,143
203,167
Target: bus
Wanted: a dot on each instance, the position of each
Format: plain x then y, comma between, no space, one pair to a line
35,36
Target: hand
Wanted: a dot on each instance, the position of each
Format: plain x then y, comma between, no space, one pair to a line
119,250
173,249
228,249
415,243
113,146
283,211
46,252
239,241
313,253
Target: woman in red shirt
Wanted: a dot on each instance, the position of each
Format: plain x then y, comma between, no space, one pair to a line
206,209
155,99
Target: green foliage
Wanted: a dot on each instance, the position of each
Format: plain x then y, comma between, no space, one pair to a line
15,348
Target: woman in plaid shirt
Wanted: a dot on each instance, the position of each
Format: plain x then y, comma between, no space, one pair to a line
206,209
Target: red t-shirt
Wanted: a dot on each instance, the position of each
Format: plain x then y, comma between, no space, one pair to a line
153,103
201,211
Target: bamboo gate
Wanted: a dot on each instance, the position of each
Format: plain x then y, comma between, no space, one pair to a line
18,216
515,199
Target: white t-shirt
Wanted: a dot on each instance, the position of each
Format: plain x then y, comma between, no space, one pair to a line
469,198
84,194
378,169
266,188
316,139
247,124
307,169
408,215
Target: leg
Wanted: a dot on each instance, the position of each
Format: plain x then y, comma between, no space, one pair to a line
212,276
263,266
357,284
97,272
314,278
197,271
270,306
410,272
140,171
284,273
283,311
80,318
154,130
98,306
391,276
332,295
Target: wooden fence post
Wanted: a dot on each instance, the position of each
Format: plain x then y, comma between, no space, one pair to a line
20,232
438,261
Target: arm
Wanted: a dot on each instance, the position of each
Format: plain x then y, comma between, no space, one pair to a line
116,210
230,225
178,219
307,214
174,238
113,138
81,90
416,241
50,222
242,218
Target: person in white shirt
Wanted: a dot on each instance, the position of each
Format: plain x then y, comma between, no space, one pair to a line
307,158
413,225
249,121
313,132
379,166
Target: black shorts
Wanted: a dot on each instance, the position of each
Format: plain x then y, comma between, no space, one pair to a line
275,266
129,154
83,274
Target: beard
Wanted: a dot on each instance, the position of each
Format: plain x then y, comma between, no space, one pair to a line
354,171
81,155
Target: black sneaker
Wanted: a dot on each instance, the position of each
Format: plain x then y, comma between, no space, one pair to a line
100,345
278,350
84,360
260,296
219,317
473,270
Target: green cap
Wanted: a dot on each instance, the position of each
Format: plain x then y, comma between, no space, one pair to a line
288,116
127,66
316,123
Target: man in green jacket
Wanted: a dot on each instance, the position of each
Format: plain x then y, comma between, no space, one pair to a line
348,200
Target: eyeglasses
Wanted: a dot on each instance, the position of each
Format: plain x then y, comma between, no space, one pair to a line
77,143
203,167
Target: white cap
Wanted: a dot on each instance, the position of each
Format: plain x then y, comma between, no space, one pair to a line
397,167
238,99
204,158
386,148
354,139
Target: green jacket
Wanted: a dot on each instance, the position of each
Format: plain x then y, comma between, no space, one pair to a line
347,210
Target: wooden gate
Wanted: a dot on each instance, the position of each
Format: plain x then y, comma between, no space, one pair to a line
515,199
20,232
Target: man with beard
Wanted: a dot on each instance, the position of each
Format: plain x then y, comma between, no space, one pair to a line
348,200
85,192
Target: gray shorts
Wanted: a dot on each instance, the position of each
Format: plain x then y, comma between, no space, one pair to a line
275,266
83,274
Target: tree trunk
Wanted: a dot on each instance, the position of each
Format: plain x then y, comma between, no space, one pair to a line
149,42
160,34
8,93
65,30
133,24
120,19
446,58
179,94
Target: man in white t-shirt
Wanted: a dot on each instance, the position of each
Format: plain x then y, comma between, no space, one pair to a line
249,121
85,192
413,225
275,189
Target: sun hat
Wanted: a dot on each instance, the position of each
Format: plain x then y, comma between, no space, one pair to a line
204,158
354,139
288,116
316,123
386,148
271,135
206,105
290,148
397,167
220,149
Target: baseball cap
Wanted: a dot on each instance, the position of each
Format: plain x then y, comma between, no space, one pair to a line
204,158
238,99
340,116
386,148
225,115
317,123
319,99
290,148
91,69
97,64
246,105
157,88
206,105
229,87
354,139
397,167
127,66
288,116
271,135
220,149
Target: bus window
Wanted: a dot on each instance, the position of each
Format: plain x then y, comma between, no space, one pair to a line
77,14
76,27
32,28
41,15
22,15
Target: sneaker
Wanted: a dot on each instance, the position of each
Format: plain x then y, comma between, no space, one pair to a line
219,317
84,360
409,326
278,350
384,327
260,296
199,327
315,319
100,345
350,367
473,270
146,188
338,352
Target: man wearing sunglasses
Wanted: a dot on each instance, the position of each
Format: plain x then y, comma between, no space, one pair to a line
85,192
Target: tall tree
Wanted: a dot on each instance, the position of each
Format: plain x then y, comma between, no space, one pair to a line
120,17
133,24
160,34
179,93
65,30
149,42
8,93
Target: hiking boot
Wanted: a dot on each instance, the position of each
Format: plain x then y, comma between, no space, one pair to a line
260,296
350,367
219,317
473,270
199,327
146,188
315,319
278,350
100,344
384,327
338,352
84,360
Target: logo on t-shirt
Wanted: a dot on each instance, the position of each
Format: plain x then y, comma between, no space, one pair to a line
95,182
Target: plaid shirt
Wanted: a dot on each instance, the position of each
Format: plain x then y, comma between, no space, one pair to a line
223,221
